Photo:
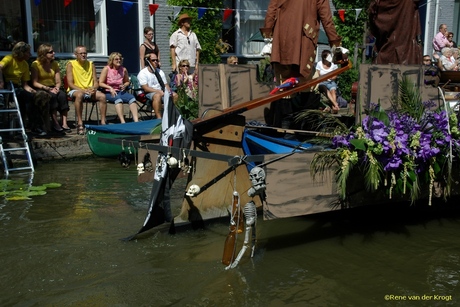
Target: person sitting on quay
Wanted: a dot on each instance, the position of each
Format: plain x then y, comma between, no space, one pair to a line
323,67
83,84
46,77
232,60
188,81
440,41
447,61
153,82
14,68
114,79
450,38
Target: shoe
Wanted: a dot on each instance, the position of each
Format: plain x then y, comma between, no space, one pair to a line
58,129
39,132
66,129
80,130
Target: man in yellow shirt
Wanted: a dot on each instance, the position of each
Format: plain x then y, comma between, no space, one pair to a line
82,84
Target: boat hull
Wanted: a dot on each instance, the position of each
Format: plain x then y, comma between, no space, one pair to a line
128,132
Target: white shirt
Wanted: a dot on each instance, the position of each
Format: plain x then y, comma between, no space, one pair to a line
324,70
186,46
146,77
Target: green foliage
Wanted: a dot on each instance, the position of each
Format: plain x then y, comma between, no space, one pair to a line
352,31
208,28
409,100
188,107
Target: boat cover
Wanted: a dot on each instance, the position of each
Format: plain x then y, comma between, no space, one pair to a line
132,128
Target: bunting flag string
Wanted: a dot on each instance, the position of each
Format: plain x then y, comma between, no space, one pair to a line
227,12
342,15
127,6
153,8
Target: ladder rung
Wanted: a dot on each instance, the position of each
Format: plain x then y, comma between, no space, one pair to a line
20,168
10,129
14,149
9,111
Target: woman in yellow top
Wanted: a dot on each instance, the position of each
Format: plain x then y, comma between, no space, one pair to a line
14,67
46,76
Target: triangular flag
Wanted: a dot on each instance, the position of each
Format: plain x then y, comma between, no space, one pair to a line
67,2
227,13
342,15
176,11
358,11
201,12
127,6
37,2
153,8
91,24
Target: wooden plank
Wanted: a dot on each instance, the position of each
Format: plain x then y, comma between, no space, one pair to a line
199,123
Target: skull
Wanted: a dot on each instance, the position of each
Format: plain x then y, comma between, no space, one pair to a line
257,177
172,162
140,168
193,190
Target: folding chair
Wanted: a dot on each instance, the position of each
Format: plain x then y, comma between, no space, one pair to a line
86,101
145,105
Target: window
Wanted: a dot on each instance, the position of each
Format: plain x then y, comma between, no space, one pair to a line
244,25
11,24
252,17
51,21
64,27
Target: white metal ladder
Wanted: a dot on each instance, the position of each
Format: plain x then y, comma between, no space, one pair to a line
18,134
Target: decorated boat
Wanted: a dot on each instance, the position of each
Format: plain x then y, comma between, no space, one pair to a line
395,153
127,132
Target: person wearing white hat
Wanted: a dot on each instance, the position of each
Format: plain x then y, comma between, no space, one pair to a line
184,44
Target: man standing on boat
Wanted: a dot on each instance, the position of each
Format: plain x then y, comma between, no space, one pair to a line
294,27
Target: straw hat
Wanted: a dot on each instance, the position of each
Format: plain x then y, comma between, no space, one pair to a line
183,17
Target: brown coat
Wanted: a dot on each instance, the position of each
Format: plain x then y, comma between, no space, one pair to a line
396,27
295,26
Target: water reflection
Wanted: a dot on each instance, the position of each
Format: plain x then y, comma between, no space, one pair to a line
63,249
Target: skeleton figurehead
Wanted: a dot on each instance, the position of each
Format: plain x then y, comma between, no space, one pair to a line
193,190
257,177
140,168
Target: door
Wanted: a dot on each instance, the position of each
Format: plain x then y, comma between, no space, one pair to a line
122,34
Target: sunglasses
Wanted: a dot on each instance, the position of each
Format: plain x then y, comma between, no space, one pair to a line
154,60
185,66
188,40
50,52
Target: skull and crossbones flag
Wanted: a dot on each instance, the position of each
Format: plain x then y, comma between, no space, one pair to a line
176,131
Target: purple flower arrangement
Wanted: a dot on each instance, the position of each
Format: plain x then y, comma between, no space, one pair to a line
397,151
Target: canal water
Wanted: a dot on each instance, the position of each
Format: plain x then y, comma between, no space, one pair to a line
64,249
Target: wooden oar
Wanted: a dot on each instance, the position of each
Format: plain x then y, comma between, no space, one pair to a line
249,105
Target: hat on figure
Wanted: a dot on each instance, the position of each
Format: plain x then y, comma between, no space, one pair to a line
182,18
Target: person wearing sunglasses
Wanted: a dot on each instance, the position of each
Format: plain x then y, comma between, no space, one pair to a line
46,78
450,38
114,80
153,82
83,84
14,68
187,81
184,44
232,60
